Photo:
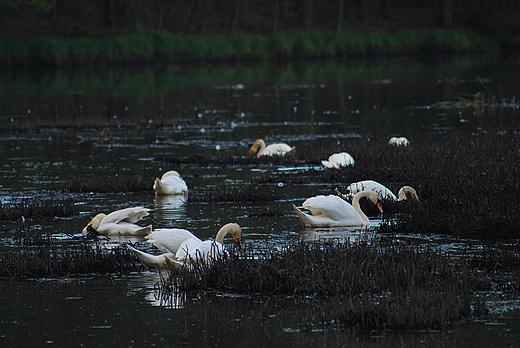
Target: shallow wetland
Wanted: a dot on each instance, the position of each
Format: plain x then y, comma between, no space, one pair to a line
439,272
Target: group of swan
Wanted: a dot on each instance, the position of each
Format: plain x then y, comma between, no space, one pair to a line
335,161
180,246
335,211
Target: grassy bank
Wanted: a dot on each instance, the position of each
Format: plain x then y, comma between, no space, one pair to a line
154,47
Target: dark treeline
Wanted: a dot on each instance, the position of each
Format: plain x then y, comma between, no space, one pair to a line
100,18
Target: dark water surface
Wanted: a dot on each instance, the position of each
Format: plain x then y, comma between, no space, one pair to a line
52,131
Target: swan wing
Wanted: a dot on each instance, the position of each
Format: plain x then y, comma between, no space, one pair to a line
276,150
342,159
399,141
331,206
151,260
170,239
206,250
371,185
123,228
131,215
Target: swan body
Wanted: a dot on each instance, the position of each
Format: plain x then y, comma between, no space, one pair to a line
120,222
333,211
383,191
399,141
181,247
279,149
171,183
338,160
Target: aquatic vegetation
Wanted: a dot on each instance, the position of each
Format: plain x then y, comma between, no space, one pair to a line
382,285
40,256
226,194
122,182
38,209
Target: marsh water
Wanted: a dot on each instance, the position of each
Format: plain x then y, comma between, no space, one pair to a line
60,125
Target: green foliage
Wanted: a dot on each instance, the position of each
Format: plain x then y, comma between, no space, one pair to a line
143,46
47,51
14,52
31,5
281,45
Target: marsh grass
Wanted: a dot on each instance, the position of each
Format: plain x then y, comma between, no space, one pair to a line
468,186
139,46
35,209
40,256
234,194
122,182
381,285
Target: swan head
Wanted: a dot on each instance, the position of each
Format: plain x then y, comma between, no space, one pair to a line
257,147
375,198
93,224
234,230
407,192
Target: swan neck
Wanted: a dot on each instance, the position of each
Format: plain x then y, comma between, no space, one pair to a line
357,207
221,234
260,146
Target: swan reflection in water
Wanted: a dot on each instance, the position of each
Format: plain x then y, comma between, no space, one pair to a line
353,235
170,207
152,283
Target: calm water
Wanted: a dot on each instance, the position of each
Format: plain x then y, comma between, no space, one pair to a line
51,132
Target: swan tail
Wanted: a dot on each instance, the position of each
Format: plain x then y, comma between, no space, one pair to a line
327,164
143,231
172,264
159,187
304,218
149,260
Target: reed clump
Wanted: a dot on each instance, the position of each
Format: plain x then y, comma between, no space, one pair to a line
39,256
371,286
225,193
121,182
38,209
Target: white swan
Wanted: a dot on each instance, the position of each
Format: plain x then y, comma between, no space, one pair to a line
382,190
280,149
338,160
332,211
399,141
120,222
181,246
171,183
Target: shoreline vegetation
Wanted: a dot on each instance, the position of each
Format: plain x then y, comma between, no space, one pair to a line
105,33
151,47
